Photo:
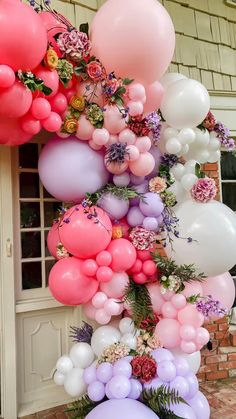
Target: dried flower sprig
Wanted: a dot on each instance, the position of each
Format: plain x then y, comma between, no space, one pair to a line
208,306
82,334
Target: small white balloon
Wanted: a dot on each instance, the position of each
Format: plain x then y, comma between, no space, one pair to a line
103,337
173,146
214,156
184,149
82,355
129,340
190,166
202,156
193,360
170,78
202,138
214,144
74,384
188,181
126,325
59,378
178,170
187,136
64,364
169,133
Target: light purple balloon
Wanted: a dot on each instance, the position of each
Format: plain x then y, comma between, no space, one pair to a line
115,207
166,371
156,153
193,385
119,387
155,383
182,366
183,410
151,205
160,220
200,406
121,180
136,180
181,385
142,188
122,367
135,217
108,392
136,389
122,409
104,372
70,168
90,374
128,358
96,391
150,223
162,354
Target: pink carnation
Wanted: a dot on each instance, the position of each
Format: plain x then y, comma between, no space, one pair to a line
204,190
74,45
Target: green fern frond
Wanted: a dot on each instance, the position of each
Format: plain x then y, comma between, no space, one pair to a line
139,300
125,193
81,408
160,399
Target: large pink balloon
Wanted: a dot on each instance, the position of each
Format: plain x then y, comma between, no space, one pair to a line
156,297
123,255
154,94
15,101
167,331
50,78
52,24
190,315
221,288
83,234
53,240
11,132
23,37
68,285
129,47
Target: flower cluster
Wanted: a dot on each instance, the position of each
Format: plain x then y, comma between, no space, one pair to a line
142,239
223,135
170,283
146,343
204,190
153,122
74,45
209,122
210,307
95,115
113,353
139,126
169,160
144,368
168,198
149,324
157,185
65,71
116,153
62,251
110,85
51,59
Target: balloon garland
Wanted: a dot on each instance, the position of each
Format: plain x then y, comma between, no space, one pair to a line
127,155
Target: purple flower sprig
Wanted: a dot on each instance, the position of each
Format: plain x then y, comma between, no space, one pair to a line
223,135
153,122
210,307
82,334
169,160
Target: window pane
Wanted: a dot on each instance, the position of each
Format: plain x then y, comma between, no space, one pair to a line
31,244
233,271
228,166
229,195
50,212
28,156
30,214
31,275
48,266
46,194
29,185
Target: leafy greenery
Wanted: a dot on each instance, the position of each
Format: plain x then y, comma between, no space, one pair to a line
160,399
164,172
81,408
84,27
193,298
139,300
33,83
198,171
125,193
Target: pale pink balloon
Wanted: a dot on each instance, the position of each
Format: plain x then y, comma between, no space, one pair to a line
93,92
85,129
187,332
89,310
40,108
102,317
116,168
190,315
168,295
30,125
168,310
50,78
154,95
7,76
115,288
113,307
193,288
178,301
143,166
99,300
113,139
128,48
104,274
135,108
127,136
89,267
143,144
167,331
53,239
154,290
101,136
15,101
221,288
94,146
113,120
132,153
123,254
59,103
202,336
137,92
188,347
52,123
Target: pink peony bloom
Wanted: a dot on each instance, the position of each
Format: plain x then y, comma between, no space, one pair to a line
204,190
157,185
74,45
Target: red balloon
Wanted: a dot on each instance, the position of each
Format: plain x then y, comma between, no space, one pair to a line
85,234
137,267
15,101
140,278
69,285
30,125
149,268
123,255
53,240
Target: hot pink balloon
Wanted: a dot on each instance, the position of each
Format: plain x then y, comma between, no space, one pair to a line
104,258
58,103
156,296
123,254
104,274
30,125
52,123
23,37
53,240
69,285
53,25
126,46
11,132
50,78
154,95
190,315
15,101
7,76
82,236
85,129
89,267
40,108
221,288
143,166
115,288
167,331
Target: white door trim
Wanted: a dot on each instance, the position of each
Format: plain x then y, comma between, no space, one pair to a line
8,331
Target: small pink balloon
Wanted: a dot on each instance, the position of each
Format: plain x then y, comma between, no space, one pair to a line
140,278
102,317
154,95
112,307
133,153
15,100
52,123
7,76
137,267
30,125
11,132
168,295
123,254
101,136
40,108
113,120
143,166
113,139
58,103
192,289
137,92
135,108
187,332
143,144
50,78
202,336
178,301
167,331
115,288
188,347
156,296
85,129
116,168
95,146
127,136
168,310
89,267
104,274
53,240
99,300
104,258
149,268
89,310
190,315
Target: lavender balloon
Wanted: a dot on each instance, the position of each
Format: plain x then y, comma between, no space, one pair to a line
183,411
121,180
181,385
182,366
89,374
166,371
122,367
136,180
141,188
151,224
156,153
151,205
135,217
70,168
121,409
104,372
155,383
200,406
96,391
136,389
193,384
119,387
162,354
115,207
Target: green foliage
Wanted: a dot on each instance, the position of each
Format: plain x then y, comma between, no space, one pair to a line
198,171
164,172
193,298
84,27
33,83
139,300
81,408
125,193
160,399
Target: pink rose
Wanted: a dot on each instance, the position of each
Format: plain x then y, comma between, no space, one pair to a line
94,70
113,85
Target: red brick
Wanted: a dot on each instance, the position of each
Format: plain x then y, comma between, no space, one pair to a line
212,327
220,335
216,359
201,377
218,375
222,320
232,357
223,326
210,166
227,365
233,338
224,342
209,368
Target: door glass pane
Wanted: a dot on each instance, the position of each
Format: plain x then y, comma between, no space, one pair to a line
50,212
31,244
229,195
228,166
30,214
29,185
28,156
31,275
48,266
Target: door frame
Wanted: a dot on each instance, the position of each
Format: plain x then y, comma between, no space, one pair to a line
7,290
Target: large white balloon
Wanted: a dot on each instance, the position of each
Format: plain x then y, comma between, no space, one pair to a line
82,355
170,78
103,337
213,227
185,104
193,360
74,384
